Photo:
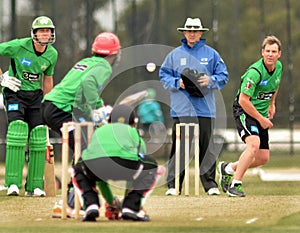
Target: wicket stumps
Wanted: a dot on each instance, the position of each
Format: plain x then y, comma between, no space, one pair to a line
186,127
67,127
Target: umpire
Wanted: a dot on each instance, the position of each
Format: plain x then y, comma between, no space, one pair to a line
191,73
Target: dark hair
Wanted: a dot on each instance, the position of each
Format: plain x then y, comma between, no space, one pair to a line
122,114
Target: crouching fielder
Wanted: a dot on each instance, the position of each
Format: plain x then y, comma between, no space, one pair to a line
116,152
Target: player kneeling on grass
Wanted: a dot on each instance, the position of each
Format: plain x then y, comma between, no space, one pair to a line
116,152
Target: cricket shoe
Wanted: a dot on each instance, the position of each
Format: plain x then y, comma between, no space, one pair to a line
13,190
128,214
112,212
236,191
71,213
224,177
171,192
213,192
92,212
36,193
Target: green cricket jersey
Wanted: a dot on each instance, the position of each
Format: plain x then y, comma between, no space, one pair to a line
81,85
115,140
27,65
260,85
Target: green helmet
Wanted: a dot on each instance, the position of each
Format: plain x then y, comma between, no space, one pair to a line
43,22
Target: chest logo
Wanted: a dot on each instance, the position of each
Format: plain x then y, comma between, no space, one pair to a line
26,62
30,76
183,61
265,95
204,61
263,83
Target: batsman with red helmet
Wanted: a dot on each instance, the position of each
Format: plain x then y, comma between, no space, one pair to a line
76,97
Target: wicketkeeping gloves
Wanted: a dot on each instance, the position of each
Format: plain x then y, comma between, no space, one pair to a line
12,83
195,83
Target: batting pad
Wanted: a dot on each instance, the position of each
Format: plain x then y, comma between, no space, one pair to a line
37,156
16,137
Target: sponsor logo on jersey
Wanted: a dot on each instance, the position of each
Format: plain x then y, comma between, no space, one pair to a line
26,62
248,85
13,107
30,76
264,83
44,67
80,67
265,95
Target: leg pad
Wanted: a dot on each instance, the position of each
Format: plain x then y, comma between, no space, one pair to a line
17,135
37,157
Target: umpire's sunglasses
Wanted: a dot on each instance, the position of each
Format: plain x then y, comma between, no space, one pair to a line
190,27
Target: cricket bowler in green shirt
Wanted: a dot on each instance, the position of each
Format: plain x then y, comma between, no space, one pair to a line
253,110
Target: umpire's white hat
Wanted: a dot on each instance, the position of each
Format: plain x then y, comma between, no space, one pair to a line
192,25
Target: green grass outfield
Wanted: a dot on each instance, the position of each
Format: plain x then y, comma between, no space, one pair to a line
268,207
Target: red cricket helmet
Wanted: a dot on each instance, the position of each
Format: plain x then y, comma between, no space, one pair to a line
106,43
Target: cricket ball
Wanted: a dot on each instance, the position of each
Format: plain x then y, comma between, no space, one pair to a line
150,67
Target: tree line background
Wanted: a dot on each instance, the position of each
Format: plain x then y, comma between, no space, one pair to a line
237,28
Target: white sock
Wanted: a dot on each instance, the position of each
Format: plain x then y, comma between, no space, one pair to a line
228,169
127,210
92,207
235,182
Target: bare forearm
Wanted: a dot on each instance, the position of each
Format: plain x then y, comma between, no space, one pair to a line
47,84
248,107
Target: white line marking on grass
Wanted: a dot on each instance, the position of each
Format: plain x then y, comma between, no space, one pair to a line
252,220
276,176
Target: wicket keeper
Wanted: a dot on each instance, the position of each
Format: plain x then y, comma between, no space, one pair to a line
116,152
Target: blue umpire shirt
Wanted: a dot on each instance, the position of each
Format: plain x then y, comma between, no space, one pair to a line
204,59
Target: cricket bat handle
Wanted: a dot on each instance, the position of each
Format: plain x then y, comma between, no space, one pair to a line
50,154
49,151
49,173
